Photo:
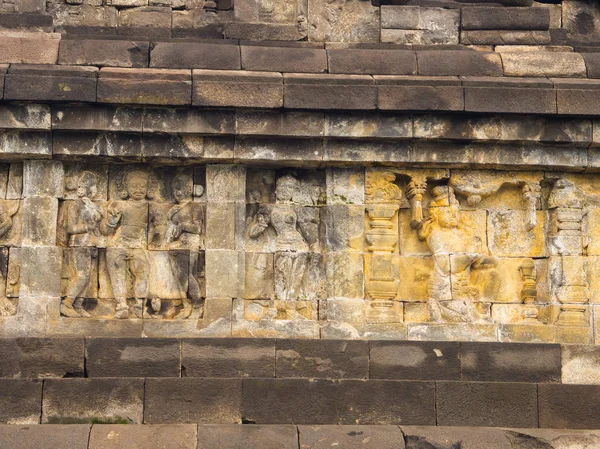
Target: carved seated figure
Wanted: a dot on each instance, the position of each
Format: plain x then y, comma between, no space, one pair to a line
462,270
127,223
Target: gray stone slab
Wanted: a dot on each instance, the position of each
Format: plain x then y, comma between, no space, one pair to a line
351,437
20,401
247,436
115,436
49,436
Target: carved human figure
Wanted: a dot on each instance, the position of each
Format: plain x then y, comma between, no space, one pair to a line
459,262
6,223
82,225
127,224
185,224
296,232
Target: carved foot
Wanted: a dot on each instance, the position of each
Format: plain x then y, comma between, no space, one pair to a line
186,311
138,309
78,306
122,311
7,308
156,304
67,309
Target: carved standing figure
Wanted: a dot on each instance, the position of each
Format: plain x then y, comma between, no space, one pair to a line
82,224
459,260
127,223
6,224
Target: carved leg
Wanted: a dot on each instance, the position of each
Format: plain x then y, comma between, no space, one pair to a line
78,306
67,308
116,261
7,308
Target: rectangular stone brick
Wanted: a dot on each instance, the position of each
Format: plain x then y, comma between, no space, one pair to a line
544,63
211,357
20,401
280,123
492,18
133,357
107,53
592,63
96,118
237,89
33,22
419,93
372,61
580,364
18,47
350,437
188,121
234,436
505,37
50,83
506,362
458,437
43,179
291,151
120,145
107,401
3,70
193,400
414,360
152,19
72,436
40,217
196,55
329,91
145,86
487,404
25,116
569,406
284,59
115,436
509,95
41,357
577,97
459,63
328,359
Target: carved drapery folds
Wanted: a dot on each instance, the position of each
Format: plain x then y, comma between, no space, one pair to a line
354,251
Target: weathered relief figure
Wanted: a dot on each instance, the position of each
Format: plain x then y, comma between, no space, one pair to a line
460,262
184,229
127,225
6,223
83,219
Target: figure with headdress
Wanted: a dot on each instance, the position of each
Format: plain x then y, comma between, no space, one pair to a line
460,262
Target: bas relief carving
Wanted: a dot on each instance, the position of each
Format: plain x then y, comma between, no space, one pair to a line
137,253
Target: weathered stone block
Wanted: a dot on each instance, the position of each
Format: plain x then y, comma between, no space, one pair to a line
193,400
510,95
224,274
40,215
145,86
16,144
505,37
188,121
40,271
79,401
354,21
360,125
580,364
263,31
371,61
50,83
569,406
557,64
86,17
414,360
508,235
507,362
297,152
419,25
154,18
329,91
25,116
351,437
97,118
43,179
188,55
225,183
73,436
329,359
20,401
225,225
234,436
446,437
487,404
237,89
41,357
345,272
119,145
575,96
592,63
106,53
132,357
419,93
228,358
344,227
280,123
490,18
459,63
113,436
28,48
301,59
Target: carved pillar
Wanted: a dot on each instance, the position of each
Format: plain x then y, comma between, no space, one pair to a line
529,291
414,192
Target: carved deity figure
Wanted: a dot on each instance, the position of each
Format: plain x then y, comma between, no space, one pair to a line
296,237
6,223
459,262
184,228
127,224
82,223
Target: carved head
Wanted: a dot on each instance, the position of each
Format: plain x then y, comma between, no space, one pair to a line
443,209
136,185
182,187
87,185
285,188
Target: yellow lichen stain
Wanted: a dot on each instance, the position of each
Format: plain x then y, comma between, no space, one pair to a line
64,87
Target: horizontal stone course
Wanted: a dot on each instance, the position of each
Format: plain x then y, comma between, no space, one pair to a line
105,53
492,18
192,55
283,59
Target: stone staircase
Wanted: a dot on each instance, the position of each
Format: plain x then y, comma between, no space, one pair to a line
266,393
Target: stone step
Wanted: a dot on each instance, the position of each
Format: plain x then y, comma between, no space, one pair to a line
298,401
192,436
288,358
